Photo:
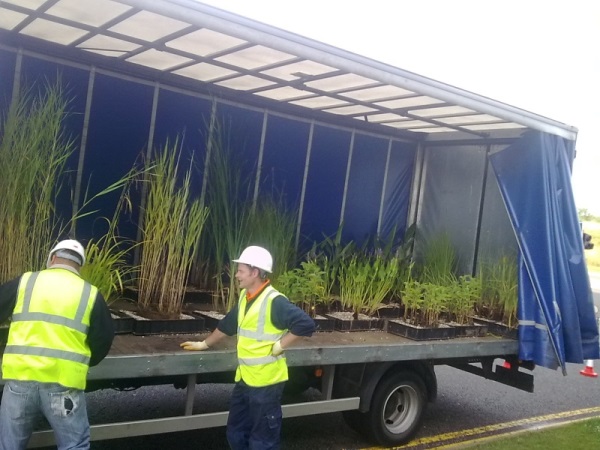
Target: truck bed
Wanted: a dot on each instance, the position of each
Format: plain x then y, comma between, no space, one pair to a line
148,356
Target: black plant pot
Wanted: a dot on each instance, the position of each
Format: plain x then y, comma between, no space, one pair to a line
469,330
418,333
324,324
211,318
122,322
146,326
497,328
363,323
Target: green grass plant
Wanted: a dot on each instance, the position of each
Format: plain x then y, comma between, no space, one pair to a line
435,301
330,254
464,294
304,286
583,434
365,281
412,298
33,153
173,224
272,226
500,289
108,259
228,195
439,262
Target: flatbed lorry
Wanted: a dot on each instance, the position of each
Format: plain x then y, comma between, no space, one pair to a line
348,141
381,382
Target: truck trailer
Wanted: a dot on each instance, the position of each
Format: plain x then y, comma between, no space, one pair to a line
350,141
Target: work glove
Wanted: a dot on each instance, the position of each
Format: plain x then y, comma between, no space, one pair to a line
277,348
194,345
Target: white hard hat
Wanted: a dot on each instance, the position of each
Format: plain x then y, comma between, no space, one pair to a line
68,244
256,257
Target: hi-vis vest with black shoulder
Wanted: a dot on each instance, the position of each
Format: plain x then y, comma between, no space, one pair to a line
49,327
256,336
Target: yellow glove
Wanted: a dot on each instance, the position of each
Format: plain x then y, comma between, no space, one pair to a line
277,348
194,345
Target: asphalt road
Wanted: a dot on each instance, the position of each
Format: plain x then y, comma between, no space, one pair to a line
465,402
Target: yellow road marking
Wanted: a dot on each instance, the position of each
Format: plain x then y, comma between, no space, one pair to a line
442,438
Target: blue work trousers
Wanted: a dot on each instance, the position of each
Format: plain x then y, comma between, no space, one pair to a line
64,408
254,421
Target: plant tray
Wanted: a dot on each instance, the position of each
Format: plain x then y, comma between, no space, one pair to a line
417,333
389,312
211,318
470,330
186,325
345,322
324,324
498,328
122,322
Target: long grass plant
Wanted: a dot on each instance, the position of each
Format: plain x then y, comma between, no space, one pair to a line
34,149
173,224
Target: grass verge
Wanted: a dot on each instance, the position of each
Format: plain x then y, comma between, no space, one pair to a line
583,434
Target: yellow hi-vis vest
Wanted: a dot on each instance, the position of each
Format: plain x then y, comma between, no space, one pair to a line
256,336
48,331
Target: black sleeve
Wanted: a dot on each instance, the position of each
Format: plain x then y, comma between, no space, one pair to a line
8,298
228,324
101,332
287,316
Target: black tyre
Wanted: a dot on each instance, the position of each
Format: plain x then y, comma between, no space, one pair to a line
396,409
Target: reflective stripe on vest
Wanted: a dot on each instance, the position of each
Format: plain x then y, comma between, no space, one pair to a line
256,336
48,333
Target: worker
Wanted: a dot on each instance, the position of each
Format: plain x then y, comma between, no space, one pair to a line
60,326
266,324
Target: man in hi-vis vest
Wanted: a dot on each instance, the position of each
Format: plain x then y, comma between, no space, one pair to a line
60,326
266,323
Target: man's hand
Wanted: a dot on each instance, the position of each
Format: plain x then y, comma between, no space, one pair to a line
277,348
194,345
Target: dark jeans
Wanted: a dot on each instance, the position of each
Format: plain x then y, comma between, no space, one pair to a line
254,421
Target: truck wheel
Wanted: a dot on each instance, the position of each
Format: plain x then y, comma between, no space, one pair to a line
396,408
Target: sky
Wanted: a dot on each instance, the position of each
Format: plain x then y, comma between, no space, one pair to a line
541,56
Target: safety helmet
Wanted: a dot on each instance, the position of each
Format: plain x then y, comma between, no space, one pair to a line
256,257
68,244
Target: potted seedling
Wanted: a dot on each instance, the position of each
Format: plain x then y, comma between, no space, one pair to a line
305,286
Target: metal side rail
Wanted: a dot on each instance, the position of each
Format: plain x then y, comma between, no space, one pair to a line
193,422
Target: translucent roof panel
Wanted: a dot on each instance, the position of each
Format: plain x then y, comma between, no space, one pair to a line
10,19
462,120
378,93
107,46
30,4
319,102
148,26
340,82
408,102
53,31
205,72
204,42
245,83
298,70
157,60
283,93
351,110
255,57
95,13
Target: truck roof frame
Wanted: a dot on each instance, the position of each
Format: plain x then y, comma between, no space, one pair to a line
206,45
